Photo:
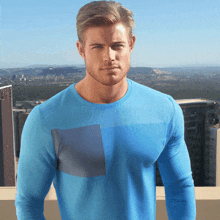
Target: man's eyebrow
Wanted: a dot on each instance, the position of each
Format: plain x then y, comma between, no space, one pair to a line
119,42
95,44
99,44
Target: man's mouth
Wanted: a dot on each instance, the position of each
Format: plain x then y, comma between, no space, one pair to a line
110,68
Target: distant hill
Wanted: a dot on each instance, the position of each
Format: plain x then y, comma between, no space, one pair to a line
19,71
3,72
57,71
143,70
193,70
44,70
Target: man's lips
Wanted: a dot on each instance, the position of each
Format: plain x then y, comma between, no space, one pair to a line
110,68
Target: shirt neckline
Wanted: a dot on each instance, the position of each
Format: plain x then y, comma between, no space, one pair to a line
106,105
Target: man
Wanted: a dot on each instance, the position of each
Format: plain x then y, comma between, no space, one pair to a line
99,139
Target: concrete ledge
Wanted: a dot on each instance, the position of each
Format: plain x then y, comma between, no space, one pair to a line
201,193
207,204
205,210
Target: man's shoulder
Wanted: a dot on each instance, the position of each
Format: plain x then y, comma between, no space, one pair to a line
56,102
151,95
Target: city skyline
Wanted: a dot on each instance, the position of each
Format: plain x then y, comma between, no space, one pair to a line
169,33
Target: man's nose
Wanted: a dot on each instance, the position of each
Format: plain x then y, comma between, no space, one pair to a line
109,54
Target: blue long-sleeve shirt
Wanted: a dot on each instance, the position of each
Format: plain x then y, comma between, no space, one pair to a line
101,157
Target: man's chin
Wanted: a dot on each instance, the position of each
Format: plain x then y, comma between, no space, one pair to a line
113,81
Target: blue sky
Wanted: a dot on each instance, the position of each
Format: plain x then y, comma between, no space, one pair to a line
168,32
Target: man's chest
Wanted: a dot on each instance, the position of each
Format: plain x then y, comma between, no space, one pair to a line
92,150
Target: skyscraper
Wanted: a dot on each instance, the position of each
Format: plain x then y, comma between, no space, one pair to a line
7,151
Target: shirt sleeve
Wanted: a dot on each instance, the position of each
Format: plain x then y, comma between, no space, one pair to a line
36,168
175,170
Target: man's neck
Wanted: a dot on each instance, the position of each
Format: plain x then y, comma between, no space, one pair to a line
97,93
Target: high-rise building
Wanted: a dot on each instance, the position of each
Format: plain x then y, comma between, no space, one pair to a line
19,120
7,151
215,143
199,116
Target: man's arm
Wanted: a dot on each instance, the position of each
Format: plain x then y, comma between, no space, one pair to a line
175,169
36,168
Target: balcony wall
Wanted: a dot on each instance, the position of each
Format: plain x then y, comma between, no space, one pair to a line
207,204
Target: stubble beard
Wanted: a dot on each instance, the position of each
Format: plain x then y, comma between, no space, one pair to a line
110,80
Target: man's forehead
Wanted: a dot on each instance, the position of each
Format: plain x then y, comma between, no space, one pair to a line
116,33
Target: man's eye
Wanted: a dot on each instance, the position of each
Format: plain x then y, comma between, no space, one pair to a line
118,46
97,47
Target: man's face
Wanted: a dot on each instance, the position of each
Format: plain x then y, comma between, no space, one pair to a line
106,51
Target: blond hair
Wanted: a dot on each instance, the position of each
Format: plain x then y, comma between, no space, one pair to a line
103,13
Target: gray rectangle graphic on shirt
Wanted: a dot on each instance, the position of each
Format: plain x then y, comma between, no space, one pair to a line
80,151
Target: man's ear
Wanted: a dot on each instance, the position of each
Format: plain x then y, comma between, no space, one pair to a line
132,42
80,48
